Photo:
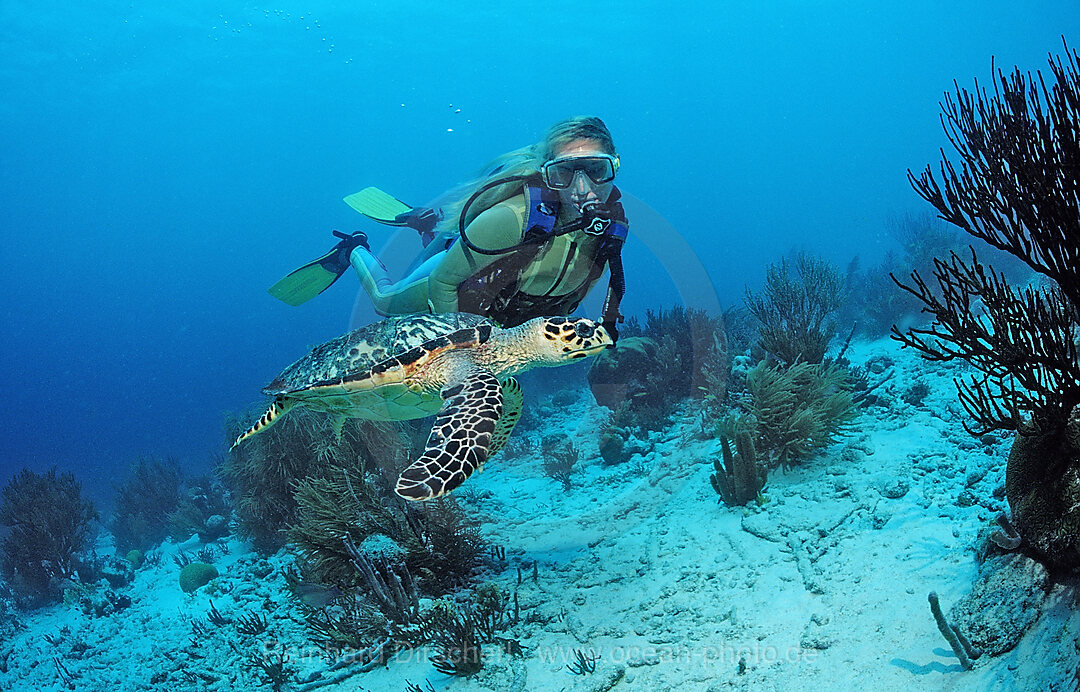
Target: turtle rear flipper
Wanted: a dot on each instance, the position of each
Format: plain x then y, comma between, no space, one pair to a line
459,440
277,409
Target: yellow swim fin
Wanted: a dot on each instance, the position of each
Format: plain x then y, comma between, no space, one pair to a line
308,281
379,206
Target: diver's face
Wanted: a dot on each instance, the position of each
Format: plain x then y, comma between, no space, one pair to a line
582,189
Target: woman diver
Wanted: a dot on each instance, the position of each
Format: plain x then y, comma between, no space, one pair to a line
531,238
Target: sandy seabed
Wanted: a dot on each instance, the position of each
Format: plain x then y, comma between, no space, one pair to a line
824,584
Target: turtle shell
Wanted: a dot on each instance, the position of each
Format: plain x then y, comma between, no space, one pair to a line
388,351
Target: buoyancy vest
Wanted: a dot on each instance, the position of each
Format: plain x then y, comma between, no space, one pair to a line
495,290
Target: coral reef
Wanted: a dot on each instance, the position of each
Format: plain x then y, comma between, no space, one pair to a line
492,610
348,624
613,445
560,454
796,412
115,570
778,416
674,356
143,502
921,238
740,477
49,524
195,575
457,641
270,668
584,663
1016,188
741,329
915,394
459,631
1042,485
454,546
1005,601
957,641
796,312
437,541
261,473
94,600
334,512
202,509
10,623
252,624
616,375
1022,343
390,586
383,613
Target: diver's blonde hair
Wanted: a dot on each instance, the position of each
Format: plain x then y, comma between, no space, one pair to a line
523,162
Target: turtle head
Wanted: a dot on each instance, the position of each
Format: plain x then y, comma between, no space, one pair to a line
563,339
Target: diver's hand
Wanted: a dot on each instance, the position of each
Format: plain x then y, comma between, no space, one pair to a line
422,219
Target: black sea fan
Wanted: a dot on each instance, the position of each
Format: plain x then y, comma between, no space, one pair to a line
457,640
50,523
1017,187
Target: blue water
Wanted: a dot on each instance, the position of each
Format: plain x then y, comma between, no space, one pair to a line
161,164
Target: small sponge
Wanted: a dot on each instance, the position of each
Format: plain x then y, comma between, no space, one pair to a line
196,574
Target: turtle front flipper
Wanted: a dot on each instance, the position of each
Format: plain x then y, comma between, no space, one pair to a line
513,401
459,441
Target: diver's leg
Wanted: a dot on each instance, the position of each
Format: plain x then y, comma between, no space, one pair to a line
388,298
424,270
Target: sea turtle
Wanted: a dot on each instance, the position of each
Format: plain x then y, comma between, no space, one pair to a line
457,365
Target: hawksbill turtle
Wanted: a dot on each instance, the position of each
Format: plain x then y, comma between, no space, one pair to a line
457,365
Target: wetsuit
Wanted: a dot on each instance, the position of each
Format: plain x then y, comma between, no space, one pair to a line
547,278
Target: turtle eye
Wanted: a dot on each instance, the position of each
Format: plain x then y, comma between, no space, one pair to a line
584,329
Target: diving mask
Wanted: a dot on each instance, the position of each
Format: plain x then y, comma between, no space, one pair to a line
558,174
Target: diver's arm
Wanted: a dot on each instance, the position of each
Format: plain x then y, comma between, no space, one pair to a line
498,227
610,315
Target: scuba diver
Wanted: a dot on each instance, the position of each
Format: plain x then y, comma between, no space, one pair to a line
529,239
